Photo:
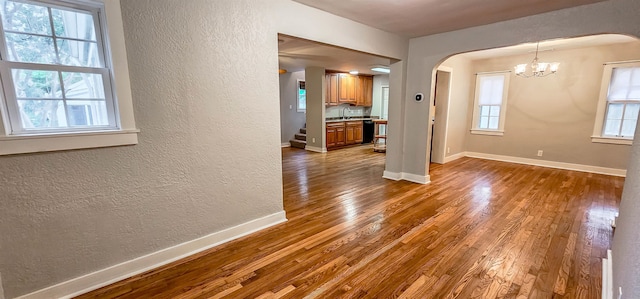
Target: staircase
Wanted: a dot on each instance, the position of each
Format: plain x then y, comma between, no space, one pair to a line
300,139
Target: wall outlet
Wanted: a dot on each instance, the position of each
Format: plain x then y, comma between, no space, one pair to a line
539,153
290,107
448,150
313,140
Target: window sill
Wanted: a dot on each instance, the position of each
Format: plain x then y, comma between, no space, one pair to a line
22,144
611,140
487,132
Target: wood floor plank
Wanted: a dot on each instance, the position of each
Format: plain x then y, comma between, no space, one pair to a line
480,229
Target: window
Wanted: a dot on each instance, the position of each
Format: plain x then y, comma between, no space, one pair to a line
490,103
619,104
56,76
302,97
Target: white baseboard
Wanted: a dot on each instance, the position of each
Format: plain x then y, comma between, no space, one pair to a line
316,149
550,164
396,176
454,157
607,277
285,144
104,277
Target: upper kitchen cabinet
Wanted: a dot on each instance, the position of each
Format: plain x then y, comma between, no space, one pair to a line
364,91
331,97
347,89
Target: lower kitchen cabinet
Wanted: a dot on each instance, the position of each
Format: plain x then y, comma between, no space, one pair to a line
353,132
335,134
343,133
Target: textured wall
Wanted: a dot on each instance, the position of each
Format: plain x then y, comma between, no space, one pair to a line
626,241
205,91
290,119
555,114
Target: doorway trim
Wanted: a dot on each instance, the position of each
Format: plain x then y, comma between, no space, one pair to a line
445,122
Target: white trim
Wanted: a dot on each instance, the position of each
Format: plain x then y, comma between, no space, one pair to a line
550,164
396,176
449,70
298,109
316,149
611,140
116,60
415,178
445,69
607,277
503,105
487,132
285,144
603,100
104,277
20,144
454,157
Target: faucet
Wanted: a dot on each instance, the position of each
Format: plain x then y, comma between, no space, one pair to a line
347,108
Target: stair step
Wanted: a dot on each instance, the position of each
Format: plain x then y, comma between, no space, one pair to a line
298,143
303,130
302,137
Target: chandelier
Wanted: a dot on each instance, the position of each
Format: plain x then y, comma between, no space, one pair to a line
535,68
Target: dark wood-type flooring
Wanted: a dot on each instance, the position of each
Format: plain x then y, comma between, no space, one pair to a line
480,229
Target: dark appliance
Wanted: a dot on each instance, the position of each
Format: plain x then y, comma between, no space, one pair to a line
367,131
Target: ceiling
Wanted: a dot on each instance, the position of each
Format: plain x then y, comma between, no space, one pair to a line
295,54
551,45
413,18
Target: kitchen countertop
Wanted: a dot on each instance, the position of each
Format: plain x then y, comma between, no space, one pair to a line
355,118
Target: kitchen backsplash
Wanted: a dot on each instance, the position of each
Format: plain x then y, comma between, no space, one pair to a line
348,110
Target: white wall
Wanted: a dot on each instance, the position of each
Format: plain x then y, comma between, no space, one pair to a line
461,92
290,119
555,114
205,94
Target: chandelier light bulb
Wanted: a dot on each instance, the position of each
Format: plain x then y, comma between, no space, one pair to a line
536,69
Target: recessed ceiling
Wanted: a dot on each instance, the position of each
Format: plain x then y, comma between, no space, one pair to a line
551,45
415,18
295,54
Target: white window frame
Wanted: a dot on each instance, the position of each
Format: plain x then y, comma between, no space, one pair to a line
123,130
475,128
598,128
298,96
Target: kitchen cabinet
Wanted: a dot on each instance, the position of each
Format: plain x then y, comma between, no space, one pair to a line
353,132
335,134
364,91
347,89
343,133
368,92
331,96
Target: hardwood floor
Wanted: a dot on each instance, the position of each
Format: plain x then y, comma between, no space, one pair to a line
480,229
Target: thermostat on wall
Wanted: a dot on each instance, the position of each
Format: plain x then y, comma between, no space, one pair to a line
419,97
